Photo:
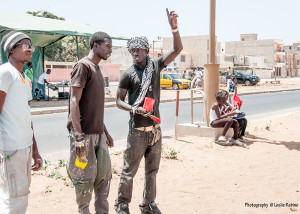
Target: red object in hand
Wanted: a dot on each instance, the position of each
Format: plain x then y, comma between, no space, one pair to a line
236,100
156,119
148,104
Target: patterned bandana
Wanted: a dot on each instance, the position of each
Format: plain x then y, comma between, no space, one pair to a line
138,42
142,42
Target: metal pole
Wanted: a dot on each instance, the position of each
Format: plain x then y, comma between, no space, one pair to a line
176,116
78,55
192,106
212,32
211,70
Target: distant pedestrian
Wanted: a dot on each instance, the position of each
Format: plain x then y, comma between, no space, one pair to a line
29,74
229,71
230,84
41,84
29,71
17,141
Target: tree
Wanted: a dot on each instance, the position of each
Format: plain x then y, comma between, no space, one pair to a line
64,50
45,14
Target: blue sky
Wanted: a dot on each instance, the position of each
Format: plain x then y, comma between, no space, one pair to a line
270,19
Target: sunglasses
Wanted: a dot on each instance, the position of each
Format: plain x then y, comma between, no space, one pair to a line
26,46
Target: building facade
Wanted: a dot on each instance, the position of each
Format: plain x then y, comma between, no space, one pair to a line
259,55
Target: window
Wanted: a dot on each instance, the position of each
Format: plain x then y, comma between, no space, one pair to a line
182,58
298,62
229,59
48,66
165,76
59,66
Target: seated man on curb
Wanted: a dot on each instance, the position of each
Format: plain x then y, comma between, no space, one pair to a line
241,120
220,119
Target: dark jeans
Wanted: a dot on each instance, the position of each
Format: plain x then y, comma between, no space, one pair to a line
137,147
227,123
242,126
41,91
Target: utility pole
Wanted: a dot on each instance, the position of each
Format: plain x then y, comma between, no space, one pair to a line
211,70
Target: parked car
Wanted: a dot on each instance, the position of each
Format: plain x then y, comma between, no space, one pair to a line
246,78
172,80
242,78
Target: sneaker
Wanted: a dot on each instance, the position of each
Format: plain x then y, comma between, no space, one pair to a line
122,208
222,139
226,143
150,209
237,142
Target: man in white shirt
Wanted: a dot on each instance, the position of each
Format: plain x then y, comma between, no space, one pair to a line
17,141
41,84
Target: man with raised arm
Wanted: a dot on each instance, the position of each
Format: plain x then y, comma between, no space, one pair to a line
142,80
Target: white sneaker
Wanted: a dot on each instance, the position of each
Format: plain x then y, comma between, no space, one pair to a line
222,139
237,142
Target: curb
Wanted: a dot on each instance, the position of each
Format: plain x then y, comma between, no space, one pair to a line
52,110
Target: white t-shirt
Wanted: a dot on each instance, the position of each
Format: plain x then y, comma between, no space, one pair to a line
42,78
199,73
15,117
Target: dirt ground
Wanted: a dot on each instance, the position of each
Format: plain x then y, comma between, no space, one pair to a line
198,176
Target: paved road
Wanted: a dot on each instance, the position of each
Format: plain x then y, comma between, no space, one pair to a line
51,133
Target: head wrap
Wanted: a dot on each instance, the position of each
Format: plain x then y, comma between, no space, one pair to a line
138,42
9,41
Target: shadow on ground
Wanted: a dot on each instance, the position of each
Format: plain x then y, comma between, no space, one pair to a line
291,145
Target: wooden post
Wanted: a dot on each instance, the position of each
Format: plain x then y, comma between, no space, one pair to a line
176,114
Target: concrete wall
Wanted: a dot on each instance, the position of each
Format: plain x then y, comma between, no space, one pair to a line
248,37
120,56
197,46
256,62
264,48
60,71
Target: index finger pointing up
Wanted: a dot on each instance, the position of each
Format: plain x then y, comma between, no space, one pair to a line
167,10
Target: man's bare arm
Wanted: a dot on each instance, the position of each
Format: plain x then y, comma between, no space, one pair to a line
109,140
177,45
2,99
75,97
121,104
37,159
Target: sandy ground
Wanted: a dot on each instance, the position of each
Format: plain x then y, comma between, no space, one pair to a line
203,177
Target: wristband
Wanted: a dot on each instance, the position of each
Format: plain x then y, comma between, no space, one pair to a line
175,30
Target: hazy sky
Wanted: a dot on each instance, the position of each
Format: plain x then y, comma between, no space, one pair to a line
270,19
